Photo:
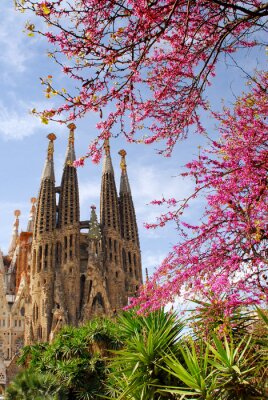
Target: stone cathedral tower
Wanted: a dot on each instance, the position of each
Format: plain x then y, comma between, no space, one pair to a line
42,272
112,239
56,273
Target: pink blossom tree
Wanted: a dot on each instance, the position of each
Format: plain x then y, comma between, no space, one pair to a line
225,257
144,66
150,61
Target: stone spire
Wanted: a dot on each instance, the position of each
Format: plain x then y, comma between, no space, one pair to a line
15,234
94,227
124,183
147,274
48,171
109,211
129,231
30,225
42,274
69,194
110,223
127,211
68,235
46,205
107,164
70,154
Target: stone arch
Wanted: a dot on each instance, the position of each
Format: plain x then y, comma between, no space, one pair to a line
98,306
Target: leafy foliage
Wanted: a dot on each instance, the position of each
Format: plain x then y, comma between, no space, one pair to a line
76,358
218,370
28,385
148,357
136,368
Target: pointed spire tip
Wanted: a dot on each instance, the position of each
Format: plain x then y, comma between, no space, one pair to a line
32,215
48,171
107,164
70,155
15,234
123,164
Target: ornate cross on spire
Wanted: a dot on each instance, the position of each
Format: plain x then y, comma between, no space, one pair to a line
72,128
123,164
50,149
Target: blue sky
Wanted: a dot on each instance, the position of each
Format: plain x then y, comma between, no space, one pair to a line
23,141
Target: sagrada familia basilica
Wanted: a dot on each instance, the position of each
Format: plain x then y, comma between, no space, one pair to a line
55,273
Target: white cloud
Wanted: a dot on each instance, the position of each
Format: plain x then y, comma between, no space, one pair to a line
89,190
152,260
149,183
17,122
14,52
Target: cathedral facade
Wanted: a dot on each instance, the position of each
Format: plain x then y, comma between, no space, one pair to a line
62,270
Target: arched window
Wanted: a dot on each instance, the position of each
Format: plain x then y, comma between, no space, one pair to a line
129,258
35,312
82,291
98,307
39,332
124,257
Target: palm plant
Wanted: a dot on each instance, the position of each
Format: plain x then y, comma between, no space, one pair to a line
136,371
210,317
235,367
193,371
219,370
